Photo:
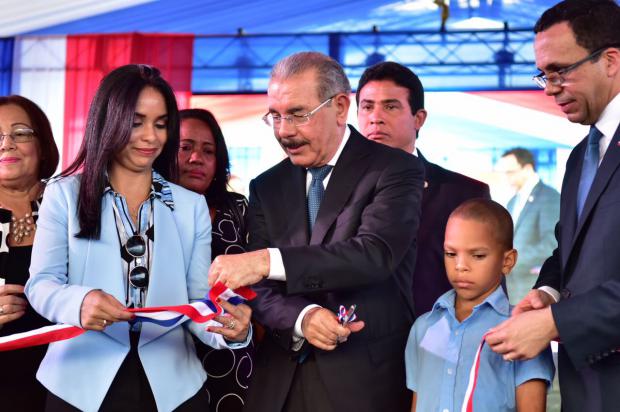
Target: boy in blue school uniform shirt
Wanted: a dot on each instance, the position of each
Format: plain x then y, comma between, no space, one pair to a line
443,342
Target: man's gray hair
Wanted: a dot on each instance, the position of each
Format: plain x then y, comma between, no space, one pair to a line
330,75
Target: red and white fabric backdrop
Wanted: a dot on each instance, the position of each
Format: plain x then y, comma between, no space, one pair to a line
61,74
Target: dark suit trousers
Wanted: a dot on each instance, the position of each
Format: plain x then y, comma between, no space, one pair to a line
307,393
593,388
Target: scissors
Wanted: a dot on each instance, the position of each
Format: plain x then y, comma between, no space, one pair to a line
349,316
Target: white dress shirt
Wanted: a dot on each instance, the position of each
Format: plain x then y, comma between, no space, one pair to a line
522,196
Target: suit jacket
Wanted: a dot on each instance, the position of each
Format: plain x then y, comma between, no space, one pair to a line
533,238
64,269
444,190
586,269
361,251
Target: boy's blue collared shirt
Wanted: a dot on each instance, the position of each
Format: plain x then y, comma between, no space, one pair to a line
441,350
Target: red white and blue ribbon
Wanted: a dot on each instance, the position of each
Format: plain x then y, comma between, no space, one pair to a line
468,401
199,311
342,315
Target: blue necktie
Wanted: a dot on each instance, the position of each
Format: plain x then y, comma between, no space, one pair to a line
588,170
315,192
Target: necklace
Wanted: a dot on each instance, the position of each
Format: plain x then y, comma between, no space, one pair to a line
22,227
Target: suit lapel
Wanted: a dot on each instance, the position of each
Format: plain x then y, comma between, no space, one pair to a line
348,170
611,161
109,246
568,203
431,177
527,209
294,210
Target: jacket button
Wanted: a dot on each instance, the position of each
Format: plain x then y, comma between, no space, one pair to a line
566,293
313,283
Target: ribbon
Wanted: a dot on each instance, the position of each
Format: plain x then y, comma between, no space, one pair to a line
468,401
200,312
41,336
342,315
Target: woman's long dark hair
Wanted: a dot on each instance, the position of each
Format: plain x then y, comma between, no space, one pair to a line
108,130
217,193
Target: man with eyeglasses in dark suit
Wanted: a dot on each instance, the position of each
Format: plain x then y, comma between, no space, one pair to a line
577,296
332,225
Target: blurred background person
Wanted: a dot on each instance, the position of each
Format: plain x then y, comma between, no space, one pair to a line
535,209
28,154
204,168
120,235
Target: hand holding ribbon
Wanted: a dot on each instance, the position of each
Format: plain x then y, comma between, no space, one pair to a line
202,311
235,323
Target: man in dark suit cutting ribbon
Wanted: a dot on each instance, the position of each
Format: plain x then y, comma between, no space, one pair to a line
333,224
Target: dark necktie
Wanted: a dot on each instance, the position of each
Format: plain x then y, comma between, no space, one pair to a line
315,192
588,170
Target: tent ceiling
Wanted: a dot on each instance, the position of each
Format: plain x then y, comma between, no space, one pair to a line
19,16
256,16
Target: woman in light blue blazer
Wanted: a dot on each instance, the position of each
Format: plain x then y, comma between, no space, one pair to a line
120,235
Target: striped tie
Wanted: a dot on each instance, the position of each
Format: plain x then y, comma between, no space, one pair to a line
315,193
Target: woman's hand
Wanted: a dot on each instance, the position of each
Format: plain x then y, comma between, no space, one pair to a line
12,306
235,323
100,309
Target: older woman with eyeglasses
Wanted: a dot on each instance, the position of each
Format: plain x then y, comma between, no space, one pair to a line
119,235
28,154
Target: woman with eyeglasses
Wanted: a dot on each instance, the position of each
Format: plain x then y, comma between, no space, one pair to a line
204,168
28,155
119,234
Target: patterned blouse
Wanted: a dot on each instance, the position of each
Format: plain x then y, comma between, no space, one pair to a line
160,190
22,391
228,370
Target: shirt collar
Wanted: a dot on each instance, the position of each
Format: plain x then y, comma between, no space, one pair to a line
160,189
496,300
343,142
529,185
610,118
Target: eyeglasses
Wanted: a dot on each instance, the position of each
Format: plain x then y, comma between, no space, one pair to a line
139,275
19,135
274,120
556,78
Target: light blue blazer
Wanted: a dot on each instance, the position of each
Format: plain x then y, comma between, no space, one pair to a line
64,269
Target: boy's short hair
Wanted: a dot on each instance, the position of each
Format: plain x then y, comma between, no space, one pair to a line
489,212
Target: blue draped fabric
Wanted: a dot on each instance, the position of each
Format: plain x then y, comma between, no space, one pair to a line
6,65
